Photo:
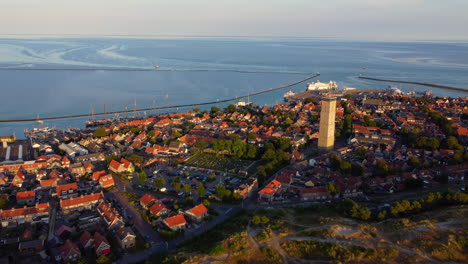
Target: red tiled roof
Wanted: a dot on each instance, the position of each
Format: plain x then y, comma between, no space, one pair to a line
198,210
114,164
147,198
84,238
176,220
99,239
38,208
157,208
107,181
66,187
95,197
125,162
462,131
47,182
25,195
98,174
68,248
314,190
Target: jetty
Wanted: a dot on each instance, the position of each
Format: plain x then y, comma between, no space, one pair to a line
417,83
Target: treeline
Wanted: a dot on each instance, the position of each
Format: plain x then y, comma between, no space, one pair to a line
354,210
234,146
275,156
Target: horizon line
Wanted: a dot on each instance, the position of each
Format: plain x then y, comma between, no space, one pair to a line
3,35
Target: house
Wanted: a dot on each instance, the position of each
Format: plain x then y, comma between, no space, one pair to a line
64,230
88,167
67,191
70,251
122,166
176,222
269,191
19,179
86,240
101,245
27,197
25,214
3,178
110,216
197,213
248,187
106,181
30,247
66,162
159,209
314,193
146,199
78,169
176,146
80,203
91,157
126,237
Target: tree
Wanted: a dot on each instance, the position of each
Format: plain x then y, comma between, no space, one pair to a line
361,151
103,259
252,151
136,159
231,108
214,109
251,136
331,188
201,144
201,189
3,202
311,100
187,188
176,186
206,203
196,110
142,177
109,158
381,215
100,132
413,161
382,167
159,183
176,135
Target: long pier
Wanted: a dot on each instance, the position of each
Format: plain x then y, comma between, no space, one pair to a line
164,107
418,83
144,70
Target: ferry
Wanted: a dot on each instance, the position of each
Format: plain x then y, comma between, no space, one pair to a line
394,89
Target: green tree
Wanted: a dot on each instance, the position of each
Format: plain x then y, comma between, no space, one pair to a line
109,158
201,144
176,186
331,188
361,151
231,108
136,159
311,100
251,136
103,259
382,167
206,203
100,132
142,177
201,189
159,183
381,215
214,109
252,151
3,202
187,188
413,161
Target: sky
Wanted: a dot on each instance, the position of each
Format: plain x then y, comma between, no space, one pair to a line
336,19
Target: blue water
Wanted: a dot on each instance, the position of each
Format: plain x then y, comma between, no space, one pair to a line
233,67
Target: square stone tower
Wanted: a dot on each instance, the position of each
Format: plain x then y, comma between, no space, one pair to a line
327,123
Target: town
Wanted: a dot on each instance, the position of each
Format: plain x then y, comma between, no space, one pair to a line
129,189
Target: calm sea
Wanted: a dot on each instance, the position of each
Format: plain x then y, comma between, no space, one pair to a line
198,70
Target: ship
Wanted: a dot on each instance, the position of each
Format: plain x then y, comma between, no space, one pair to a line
98,122
394,89
316,86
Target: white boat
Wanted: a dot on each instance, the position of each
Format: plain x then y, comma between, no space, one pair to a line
289,94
